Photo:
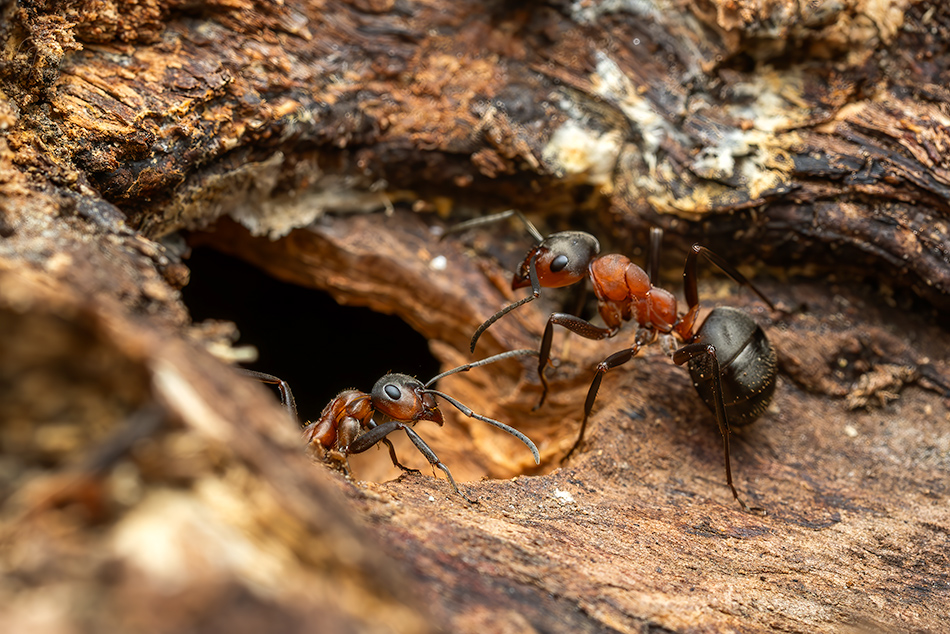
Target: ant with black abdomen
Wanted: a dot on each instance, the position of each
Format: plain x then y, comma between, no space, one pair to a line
348,424
731,361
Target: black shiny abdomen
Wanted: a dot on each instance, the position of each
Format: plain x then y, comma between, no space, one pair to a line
746,361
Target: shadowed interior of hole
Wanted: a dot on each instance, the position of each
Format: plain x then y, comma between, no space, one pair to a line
302,335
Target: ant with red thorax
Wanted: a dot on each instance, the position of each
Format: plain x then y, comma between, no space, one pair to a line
731,361
354,421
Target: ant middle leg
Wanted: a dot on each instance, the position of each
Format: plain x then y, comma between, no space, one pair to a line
615,360
392,456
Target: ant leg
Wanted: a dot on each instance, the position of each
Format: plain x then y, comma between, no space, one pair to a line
491,421
378,433
578,298
392,450
611,362
576,325
392,455
371,437
693,350
286,395
689,275
484,220
434,460
535,293
653,254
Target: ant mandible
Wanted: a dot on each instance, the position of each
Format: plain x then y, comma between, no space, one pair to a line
731,361
348,424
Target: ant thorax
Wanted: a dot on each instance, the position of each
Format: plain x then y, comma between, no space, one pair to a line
625,293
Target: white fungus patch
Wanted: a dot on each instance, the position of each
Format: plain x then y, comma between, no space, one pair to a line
438,263
610,83
276,217
564,497
578,151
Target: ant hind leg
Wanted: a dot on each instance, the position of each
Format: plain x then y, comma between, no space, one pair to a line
691,351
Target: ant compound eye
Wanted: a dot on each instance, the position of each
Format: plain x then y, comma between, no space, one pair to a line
395,395
558,263
392,392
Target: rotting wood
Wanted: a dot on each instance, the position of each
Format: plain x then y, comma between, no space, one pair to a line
643,513
800,134
815,128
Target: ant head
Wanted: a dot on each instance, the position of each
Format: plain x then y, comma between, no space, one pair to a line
403,398
562,260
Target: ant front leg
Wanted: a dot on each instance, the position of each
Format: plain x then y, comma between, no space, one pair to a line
708,351
348,433
378,433
433,459
576,325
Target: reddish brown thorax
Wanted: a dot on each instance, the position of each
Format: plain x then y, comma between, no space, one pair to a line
625,292
395,396
348,403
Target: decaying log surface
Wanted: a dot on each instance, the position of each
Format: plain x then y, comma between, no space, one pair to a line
826,123
146,487
640,531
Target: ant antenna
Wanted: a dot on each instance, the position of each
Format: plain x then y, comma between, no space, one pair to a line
535,293
484,220
525,352
471,413
491,421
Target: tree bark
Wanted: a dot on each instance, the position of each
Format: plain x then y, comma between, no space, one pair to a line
144,478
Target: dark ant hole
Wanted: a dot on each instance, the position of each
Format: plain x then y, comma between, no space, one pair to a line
302,335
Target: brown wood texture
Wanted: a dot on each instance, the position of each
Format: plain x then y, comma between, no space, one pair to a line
144,486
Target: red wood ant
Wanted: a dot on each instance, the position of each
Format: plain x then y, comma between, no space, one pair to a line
731,361
354,421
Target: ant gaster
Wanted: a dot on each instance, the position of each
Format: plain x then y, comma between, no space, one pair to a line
354,421
731,361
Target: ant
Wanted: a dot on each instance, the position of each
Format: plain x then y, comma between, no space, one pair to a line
349,425
731,361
